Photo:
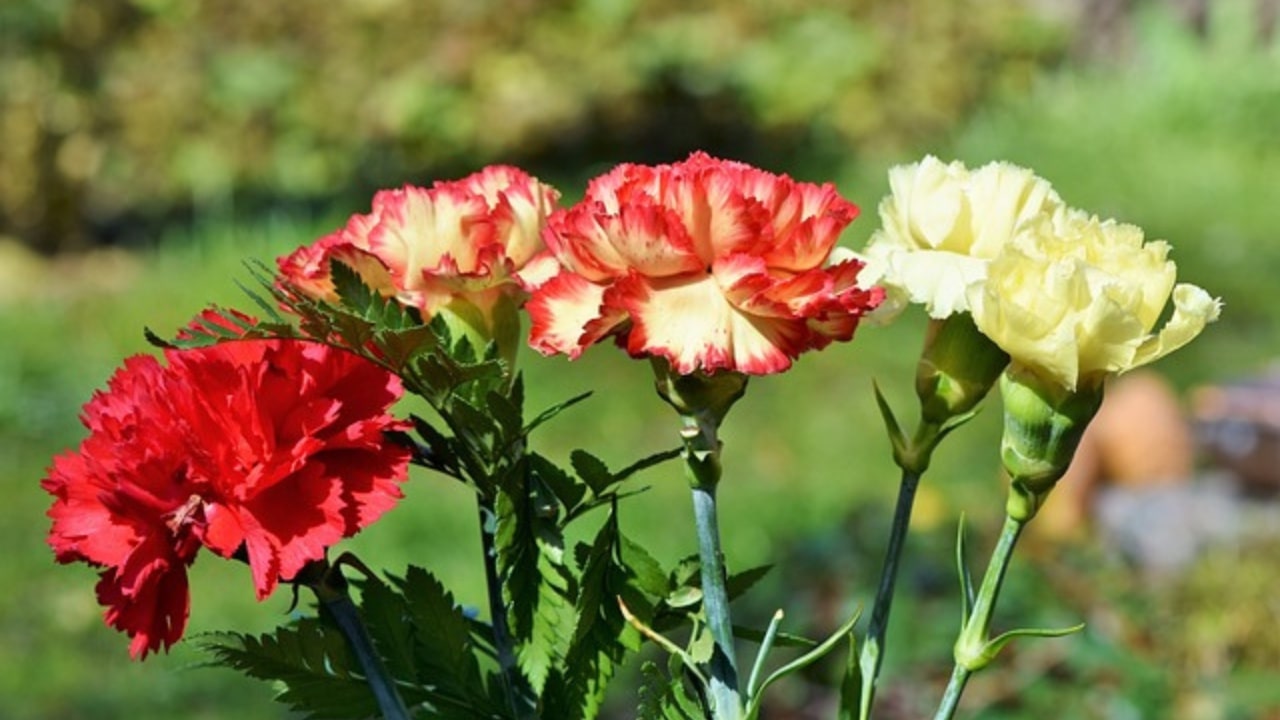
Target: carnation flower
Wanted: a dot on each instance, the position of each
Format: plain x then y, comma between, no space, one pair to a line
271,450
709,264
942,224
1074,299
458,248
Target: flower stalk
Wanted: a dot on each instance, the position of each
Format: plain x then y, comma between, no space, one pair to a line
520,697
957,368
702,465
974,649
703,400
330,589
872,655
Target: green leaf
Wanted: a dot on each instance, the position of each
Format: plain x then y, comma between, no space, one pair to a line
995,645
506,413
780,639
352,291
443,643
310,659
701,645
535,581
962,569
739,583
901,448
766,644
850,684
440,453
683,597
646,463
576,691
566,488
384,614
592,470
663,697
553,411
399,348
647,574
753,702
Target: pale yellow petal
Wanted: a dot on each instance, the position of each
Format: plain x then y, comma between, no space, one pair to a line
1193,308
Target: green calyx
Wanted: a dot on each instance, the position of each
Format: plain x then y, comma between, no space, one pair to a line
1043,424
702,400
483,317
703,395
957,368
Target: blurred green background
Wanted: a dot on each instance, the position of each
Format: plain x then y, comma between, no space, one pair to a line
148,147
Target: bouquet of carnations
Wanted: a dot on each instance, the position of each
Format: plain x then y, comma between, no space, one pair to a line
267,437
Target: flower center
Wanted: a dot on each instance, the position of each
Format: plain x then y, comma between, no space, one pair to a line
185,515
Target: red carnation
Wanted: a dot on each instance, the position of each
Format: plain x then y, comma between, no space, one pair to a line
274,447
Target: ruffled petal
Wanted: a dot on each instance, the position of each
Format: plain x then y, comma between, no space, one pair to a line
689,322
1193,308
560,311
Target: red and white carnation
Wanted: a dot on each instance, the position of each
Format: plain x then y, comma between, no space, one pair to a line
465,241
710,264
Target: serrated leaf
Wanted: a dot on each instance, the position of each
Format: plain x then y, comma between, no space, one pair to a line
646,463
475,427
352,291
399,347
564,486
663,697
428,605
646,572
384,614
534,580
437,449
553,411
739,583
592,470
603,636
310,660
506,413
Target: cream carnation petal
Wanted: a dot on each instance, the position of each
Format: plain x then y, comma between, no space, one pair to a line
1193,308
1108,332
765,345
690,323
560,312
686,320
936,279
541,268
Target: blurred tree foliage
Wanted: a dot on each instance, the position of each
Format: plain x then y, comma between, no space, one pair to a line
117,112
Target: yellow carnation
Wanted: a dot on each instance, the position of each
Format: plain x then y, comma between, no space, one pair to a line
1074,299
942,224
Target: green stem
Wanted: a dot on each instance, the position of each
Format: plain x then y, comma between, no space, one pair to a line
974,649
333,597
872,655
955,688
520,696
702,463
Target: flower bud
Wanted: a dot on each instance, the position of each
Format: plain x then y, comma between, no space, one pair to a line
1043,423
957,368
